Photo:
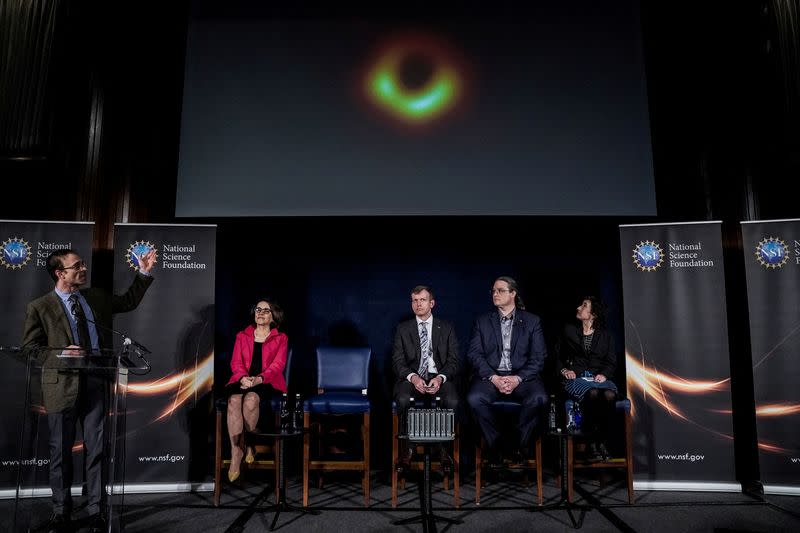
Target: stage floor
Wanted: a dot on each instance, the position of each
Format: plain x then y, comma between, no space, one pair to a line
507,506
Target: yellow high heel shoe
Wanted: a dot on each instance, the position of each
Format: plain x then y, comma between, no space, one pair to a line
250,458
233,475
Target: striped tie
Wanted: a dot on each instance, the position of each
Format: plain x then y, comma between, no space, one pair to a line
425,348
84,339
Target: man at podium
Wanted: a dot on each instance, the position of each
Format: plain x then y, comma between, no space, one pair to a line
78,319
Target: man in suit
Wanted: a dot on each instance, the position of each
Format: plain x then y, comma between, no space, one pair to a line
507,352
80,320
425,358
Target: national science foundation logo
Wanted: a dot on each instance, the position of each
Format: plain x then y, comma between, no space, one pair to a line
15,253
771,253
648,256
137,250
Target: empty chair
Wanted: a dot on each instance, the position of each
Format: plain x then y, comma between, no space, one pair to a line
342,383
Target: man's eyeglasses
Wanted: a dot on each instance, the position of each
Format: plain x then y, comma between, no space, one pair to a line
501,291
262,310
77,266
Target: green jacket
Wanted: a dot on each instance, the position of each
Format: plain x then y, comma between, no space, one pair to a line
46,324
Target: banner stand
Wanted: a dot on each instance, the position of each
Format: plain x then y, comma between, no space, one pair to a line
677,357
772,268
169,408
24,247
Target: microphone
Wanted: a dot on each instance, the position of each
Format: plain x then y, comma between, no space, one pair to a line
139,348
12,349
127,341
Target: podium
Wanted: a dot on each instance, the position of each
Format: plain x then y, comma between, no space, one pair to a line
106,371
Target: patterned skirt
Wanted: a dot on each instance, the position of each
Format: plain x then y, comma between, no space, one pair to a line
579,386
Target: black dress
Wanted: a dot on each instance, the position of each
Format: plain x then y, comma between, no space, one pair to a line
264,390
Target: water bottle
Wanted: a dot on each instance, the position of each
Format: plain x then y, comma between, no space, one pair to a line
578,416
298,413
571,416
435,403
553,420
409,423
284,413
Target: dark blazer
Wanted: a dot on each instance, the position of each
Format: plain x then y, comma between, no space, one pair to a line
528,348
406,354
46,324
601,358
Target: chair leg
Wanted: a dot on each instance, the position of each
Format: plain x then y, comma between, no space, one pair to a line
306,451
539,470
570,458
218,460
478,465
456,455
366,459
395,458
629,457
445,480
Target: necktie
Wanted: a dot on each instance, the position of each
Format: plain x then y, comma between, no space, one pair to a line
425,348
78,315
505,356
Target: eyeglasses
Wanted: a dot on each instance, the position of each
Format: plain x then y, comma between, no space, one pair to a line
501,291
77,266
262,310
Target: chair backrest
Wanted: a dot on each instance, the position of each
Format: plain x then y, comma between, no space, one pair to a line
343,368
287,370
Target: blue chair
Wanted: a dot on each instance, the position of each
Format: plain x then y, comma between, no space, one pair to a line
509,408
221,405
418,465
625,463
342,383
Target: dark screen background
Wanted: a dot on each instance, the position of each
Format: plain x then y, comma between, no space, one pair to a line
274,122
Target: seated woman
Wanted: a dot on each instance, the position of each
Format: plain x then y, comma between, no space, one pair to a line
254,378
585,359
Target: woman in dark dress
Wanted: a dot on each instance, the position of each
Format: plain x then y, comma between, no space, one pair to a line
586,360
254,377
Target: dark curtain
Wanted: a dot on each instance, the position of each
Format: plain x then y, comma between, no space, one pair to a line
27,29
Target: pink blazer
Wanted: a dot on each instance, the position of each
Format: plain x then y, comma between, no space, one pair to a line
273,357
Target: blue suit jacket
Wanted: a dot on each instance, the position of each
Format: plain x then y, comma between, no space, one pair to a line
528,349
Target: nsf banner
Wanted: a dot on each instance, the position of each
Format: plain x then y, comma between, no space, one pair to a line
676,355
772,265
24,247
169,407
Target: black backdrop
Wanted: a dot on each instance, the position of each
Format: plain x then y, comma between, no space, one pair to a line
347,281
